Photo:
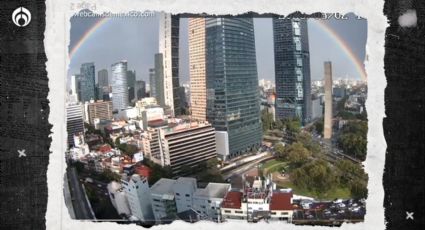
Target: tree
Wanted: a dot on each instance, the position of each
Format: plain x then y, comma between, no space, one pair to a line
107,176
358,189
353,139
297,154
349,171
280,151
316,176
318,126
266,120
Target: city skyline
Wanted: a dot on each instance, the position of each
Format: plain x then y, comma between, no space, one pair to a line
139,49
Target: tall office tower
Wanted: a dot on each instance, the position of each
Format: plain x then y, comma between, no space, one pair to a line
157,85
139,197
233,101
140,89
131,82
169,48
152,83
119,85
197,69
99,109
327,131
74,120
87,82
292,69
102,78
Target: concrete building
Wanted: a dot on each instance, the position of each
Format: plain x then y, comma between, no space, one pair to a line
118,198
187,144
74,120
197,69
119,85
207,201
184,188
99,109
327,131
75,86
316,108
292,69
163,201
151,148
139,197
232,82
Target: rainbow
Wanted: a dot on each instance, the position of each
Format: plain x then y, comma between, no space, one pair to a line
87,35
342,44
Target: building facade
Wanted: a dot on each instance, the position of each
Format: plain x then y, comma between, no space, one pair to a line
139,197
292,69
169,48
99,109
87,82
187,145
233,103
119,85
140,89
197,69
74,120
163,201
131,82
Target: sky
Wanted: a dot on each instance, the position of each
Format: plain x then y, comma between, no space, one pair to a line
136,40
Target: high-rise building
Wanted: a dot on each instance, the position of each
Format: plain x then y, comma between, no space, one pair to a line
140,89
87,82
119,85
169,48
102,78
233,103
327,131
292,69
157,82
186,145
131,82
74,120
152,82
139,197
197,69
99,109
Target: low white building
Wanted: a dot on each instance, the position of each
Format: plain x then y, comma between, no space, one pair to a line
163,202
139,197
184,188
207,201
118,198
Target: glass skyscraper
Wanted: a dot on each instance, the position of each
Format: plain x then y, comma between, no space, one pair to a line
119,85
292,69
233,103
87,82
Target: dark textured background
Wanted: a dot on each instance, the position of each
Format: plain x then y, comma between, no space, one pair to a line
404,125
24,114
24,123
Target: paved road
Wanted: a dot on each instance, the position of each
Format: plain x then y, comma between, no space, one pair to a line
79,202
241,170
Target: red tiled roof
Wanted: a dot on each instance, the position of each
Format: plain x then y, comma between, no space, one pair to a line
281,201
232,200
143,170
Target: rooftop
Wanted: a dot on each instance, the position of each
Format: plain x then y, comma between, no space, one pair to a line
163,186
233,200
281,201
214,190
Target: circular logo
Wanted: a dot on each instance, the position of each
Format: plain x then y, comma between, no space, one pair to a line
21,17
